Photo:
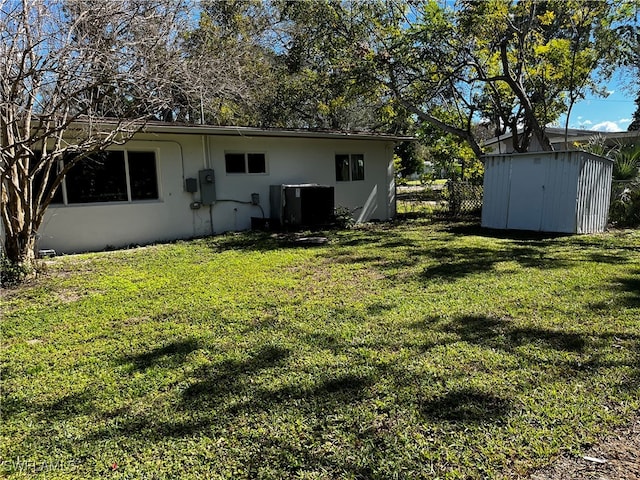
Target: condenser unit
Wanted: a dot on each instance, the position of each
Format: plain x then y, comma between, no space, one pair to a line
302,205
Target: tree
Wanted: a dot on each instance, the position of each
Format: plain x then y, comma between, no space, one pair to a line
411,158
319,62
518,64
76,77
230,62
635,123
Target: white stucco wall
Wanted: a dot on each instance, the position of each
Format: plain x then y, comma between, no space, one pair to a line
75,228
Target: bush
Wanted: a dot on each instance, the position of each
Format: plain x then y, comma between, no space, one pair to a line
625,205
12,273
343,217
626,163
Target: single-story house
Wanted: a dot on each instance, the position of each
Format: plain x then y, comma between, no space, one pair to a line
175,181
575,137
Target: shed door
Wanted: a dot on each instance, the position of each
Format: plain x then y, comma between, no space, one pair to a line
526,198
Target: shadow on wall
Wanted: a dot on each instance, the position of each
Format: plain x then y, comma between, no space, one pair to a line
370,206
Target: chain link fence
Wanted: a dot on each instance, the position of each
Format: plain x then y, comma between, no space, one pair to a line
465,198
421,199
454,199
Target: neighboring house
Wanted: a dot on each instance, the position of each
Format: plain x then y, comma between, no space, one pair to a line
176,181
503,144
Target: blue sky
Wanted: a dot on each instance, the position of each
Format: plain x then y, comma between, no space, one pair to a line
610,114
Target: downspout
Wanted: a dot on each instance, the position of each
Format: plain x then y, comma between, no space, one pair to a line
207,164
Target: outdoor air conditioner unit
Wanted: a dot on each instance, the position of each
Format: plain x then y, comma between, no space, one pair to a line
302,205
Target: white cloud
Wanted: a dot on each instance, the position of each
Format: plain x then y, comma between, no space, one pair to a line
607,127
587,122
625,120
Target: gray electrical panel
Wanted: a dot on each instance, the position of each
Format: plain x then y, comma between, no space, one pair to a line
191,185
207,187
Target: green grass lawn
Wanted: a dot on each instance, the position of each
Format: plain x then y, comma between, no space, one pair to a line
410,351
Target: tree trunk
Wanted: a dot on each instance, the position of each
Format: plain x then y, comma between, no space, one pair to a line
20,248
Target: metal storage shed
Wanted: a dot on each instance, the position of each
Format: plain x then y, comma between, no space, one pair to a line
563,191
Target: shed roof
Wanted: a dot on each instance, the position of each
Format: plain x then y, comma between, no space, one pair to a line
550,153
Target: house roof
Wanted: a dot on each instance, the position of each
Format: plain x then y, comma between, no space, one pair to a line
556,135
165,127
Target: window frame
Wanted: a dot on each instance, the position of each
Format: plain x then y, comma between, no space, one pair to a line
130,200
352,167
246,155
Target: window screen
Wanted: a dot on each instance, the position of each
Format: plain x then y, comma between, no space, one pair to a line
342,168
234,163
256,163
357,167
349,167
98,178
142,175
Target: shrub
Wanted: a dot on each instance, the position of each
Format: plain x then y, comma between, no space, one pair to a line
343,217
626,163
13,273
625,206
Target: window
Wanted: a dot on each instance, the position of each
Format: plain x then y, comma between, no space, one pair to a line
245,162
142,175
349,167
99,178
113,176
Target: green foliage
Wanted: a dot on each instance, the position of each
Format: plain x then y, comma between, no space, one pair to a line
343,217
418,350
519,65
626,163
13,273
625,155
410,159
625,196
451,157
296,64
635,123
625,205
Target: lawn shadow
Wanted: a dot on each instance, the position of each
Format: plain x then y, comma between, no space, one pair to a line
580,354
217,381
341,389
257,241
170,355
67,406
475,229
466,405
457,262
630,288
503,334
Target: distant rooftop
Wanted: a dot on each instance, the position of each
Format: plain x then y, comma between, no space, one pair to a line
556,135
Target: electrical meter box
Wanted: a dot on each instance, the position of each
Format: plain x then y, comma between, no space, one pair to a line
207,187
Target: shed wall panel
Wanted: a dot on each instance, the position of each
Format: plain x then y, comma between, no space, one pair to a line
496,188
560,184
594,191
526,199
